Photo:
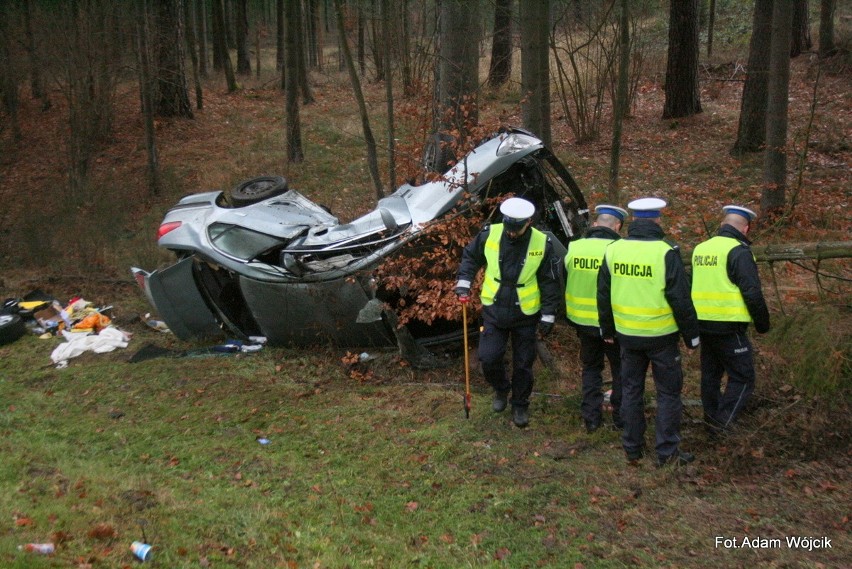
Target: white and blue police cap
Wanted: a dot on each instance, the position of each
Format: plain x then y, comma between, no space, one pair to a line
740,210
516,211
648,208
613,210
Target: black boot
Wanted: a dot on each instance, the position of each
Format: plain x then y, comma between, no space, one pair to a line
520,416
501,399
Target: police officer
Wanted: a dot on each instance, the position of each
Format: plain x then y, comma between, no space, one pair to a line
581,286
644,301
520,296
727,295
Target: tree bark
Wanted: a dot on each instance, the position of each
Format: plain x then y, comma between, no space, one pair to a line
775,156
459,56
372,160
144,58
621,101
535,67
8,83
711,24
190,46
242,37
171,72
302,76
683,97
279,36
826,28
220,45
36,81
800,42
501,44
201,14
751,132
386,34
295,153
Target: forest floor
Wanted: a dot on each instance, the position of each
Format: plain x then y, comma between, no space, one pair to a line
441,490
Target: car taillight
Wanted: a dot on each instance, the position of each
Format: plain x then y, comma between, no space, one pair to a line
140,280
166,228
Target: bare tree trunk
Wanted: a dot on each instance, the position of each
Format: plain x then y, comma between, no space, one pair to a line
751,132
405,51
362,42
711,23
800,41
190,45
386,33
621,101
683,97
241,36
775,156
171,73
201,14
535,67
145,87
295,153
302,76
279,36
36,82
826,28
8,82
458,62
220,45
501,44
372,160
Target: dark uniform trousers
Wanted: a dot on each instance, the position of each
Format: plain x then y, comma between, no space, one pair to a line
720,354
668,380
492,351
593,350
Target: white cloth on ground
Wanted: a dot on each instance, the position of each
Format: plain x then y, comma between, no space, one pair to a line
106,340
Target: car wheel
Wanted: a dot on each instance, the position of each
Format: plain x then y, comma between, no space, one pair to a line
11,328
257,190
438,155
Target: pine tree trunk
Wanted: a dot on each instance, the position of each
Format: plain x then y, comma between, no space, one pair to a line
751,132
775,156
501,44
682,93
826,28
171,73
372,160
295,153
241,27
535,67
801,29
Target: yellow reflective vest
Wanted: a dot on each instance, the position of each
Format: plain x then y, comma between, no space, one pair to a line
582,262
529,295
638,284
714,295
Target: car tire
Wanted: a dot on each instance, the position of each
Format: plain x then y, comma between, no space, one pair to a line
11,328
438,155
257,190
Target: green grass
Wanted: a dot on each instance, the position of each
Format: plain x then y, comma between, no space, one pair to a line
387,473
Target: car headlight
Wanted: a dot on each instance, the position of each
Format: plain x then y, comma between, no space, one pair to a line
513,143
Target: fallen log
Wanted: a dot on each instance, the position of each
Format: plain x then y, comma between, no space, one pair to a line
793,251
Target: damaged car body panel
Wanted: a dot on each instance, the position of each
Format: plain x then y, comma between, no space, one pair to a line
273,263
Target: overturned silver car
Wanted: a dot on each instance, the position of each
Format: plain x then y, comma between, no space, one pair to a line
264,260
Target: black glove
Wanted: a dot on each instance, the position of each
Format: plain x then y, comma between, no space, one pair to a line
463,293
545,328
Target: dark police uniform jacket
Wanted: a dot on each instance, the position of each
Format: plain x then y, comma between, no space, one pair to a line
742,270
506,311
678,293
594,233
